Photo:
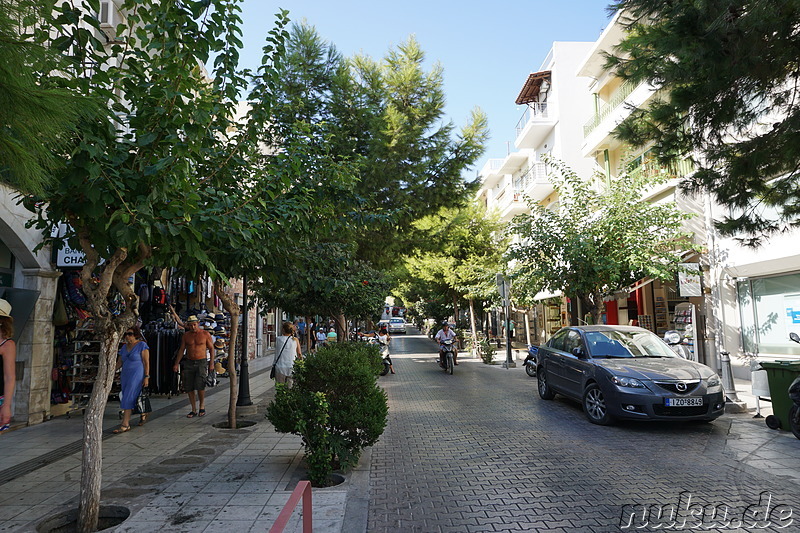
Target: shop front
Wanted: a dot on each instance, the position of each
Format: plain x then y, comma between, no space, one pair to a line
769,310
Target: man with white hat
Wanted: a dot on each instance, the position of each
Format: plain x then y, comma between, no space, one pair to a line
195,344
8,372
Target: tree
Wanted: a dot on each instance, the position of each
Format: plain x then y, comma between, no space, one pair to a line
385,120
330,282
727,79
137,187
38,119
462,255
593,244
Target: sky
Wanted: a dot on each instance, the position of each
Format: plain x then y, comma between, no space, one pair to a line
487,48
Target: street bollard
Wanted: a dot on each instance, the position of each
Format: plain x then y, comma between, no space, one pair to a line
728,386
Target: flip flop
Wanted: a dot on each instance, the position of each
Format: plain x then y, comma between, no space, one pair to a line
121,429
202,412
143,419
192,414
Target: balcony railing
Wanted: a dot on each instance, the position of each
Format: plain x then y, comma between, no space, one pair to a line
677,169
619,96
535,111
535,173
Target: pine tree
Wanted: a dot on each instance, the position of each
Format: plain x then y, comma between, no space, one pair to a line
728,74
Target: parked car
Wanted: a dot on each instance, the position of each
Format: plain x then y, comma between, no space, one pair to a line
397,325
626,372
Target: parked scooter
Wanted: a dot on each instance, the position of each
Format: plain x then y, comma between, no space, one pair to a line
531,360
387,361
794,394
675,341
446,355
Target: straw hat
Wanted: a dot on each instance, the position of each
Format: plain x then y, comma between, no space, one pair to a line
219,343
5,308
192,318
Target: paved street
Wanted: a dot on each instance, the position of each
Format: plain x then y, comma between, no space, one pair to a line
479,451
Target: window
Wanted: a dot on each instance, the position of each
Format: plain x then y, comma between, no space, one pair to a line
106,15
557,342
770,310
572,341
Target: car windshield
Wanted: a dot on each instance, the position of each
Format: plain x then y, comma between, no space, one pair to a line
397,321
628,344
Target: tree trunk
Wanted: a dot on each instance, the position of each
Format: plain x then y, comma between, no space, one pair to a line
472,326
108,329
233,308
341,322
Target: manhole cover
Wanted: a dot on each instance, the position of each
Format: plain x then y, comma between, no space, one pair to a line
183,461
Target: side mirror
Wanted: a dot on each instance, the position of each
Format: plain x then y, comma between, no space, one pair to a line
578,352
794,336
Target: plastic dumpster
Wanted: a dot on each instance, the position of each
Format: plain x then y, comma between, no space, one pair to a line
780,375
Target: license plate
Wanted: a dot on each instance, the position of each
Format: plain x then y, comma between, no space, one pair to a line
683,402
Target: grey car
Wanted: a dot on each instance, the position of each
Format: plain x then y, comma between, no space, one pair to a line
626,372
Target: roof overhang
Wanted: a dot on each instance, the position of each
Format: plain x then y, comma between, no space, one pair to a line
530,91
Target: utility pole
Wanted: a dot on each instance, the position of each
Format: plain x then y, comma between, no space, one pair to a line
244,374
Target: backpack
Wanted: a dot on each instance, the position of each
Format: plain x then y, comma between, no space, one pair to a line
159,296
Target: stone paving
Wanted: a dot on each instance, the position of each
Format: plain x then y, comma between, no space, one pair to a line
480,451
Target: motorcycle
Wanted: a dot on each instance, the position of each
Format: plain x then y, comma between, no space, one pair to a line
530,361
794,394
387,361
446,355
675,341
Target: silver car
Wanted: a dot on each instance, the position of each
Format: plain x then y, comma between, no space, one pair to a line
397,325
626,372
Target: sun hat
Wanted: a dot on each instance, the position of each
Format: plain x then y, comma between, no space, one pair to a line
219,316
219,343
219,330
192,318
5,308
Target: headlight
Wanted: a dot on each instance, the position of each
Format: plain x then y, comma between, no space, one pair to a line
713,381
627,382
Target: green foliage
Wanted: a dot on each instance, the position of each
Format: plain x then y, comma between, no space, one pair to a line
727,74
593,243
384,120
487,351
38,119
307,415
345,374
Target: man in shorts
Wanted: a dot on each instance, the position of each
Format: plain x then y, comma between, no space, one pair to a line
196,366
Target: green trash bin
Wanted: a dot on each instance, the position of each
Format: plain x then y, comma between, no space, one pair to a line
780,375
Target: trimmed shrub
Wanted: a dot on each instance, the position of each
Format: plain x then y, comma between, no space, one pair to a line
336,406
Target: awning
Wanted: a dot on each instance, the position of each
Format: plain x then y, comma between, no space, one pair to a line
530,91
639,284
544,295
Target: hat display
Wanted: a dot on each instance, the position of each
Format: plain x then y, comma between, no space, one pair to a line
219,316
5,308
219,330
192,318
219,343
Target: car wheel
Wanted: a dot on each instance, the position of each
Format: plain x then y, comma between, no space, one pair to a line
530,370
594,405
545,393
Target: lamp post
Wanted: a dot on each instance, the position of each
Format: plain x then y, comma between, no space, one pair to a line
504,287
244,374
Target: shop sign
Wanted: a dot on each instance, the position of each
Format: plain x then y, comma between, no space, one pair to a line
70,258
689,280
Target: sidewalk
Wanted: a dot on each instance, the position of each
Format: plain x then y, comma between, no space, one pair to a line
173,474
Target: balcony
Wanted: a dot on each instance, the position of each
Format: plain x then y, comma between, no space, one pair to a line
614,102
510,202
534,125
534,182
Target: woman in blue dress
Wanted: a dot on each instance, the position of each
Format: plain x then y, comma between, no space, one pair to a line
134,359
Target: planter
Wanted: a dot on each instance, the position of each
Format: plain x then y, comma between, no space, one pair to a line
240,424
67,521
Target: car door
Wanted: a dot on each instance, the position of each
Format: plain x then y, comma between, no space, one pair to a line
574,368
554,359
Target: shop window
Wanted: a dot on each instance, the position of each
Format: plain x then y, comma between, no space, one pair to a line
6,266
775,304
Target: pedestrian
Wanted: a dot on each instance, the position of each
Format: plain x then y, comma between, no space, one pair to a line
8,371
312,335
287,350
332,336
195,344
134,359
322,339
301,331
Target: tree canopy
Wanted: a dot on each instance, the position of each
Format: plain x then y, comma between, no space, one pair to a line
726,74
592,244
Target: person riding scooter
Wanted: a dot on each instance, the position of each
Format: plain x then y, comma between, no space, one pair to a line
446,334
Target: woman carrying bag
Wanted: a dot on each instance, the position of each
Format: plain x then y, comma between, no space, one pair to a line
287,349
134,359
